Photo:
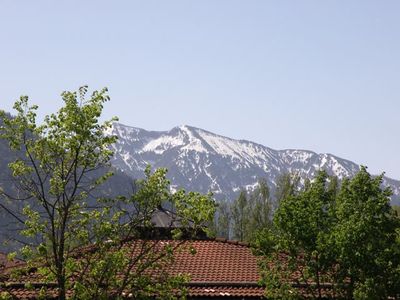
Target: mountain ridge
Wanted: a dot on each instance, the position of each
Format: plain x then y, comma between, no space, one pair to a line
200,160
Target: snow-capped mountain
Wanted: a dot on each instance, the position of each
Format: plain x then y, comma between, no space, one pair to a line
203,161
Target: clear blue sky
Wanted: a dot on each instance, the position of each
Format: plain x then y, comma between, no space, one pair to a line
317,75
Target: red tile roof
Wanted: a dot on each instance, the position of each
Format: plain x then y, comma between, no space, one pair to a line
6,264
226,292
217,261
218,269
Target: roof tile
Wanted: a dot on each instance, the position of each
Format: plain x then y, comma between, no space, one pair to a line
218,268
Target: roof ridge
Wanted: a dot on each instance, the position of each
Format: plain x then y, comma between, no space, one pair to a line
225,283
233,242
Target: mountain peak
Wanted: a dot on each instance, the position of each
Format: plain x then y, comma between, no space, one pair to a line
202,161
186,128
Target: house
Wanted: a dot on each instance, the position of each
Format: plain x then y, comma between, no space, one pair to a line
6,264
219,269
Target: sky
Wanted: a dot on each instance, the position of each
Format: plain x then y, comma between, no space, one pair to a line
316,75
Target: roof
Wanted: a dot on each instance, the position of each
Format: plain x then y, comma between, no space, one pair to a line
218,269
218,261
6,264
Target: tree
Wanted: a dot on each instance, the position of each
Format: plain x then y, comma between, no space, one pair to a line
251,212
59,156
341,240
366,238
240,216
222,222
126,260
74,236
302,224
396,208
286,185
259,210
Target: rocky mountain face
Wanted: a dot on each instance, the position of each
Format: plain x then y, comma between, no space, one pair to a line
197,160
203,161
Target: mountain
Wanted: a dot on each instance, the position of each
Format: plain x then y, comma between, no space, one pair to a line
197,160
203,161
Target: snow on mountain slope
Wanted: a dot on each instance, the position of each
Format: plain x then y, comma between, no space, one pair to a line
203,161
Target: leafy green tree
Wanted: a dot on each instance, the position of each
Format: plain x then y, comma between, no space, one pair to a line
333,186
79,243
259,210
128,264
251,212
59,156
396,208
303,223
364,238
240,216
343,240
223,219
286,185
